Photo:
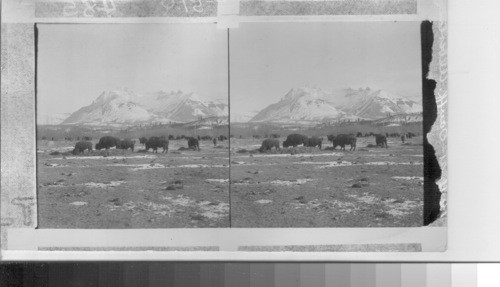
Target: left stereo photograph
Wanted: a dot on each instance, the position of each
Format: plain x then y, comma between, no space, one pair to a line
132,126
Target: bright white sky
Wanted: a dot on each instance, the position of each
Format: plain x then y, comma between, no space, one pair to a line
268,59
77,62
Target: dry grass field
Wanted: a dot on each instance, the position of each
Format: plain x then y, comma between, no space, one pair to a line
308,187
294,187
125,189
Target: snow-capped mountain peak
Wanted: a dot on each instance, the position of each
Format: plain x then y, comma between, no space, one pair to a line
122,106
310,104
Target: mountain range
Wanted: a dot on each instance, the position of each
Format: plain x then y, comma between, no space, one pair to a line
124,107
300,105
316,105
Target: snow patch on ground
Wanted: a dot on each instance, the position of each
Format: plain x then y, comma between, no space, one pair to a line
104,185
392,163
109,157
409,177
336,164
393,207
324,205
263,201
217,180
401,208
214,211
294,155
55,165
147,166
291,182
199,165
173,205
79,203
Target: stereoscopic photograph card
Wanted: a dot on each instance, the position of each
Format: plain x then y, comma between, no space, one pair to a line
292,131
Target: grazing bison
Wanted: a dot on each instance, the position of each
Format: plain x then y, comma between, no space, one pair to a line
381,140
155,142
314,141
143,140
193,144
106,142
215,141
80,147
268,144
222,138
343,140
295,140
125,144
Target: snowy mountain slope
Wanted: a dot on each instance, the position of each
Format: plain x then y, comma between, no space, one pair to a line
304,104
125,107
241,117
316,105
400,119
51,119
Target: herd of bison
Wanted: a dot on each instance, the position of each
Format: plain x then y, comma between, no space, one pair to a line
275,181
292,140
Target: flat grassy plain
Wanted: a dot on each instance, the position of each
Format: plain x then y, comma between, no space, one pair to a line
308,187
125,189
294,187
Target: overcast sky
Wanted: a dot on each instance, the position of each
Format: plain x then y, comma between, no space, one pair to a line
77,62
268,59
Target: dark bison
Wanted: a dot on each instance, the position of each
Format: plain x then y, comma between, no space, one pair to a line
295,140
125,144
143,140
343,140
359,134
194,144
222,138
268,144
80,147
214,141
314,141
156,142
106,142
381,140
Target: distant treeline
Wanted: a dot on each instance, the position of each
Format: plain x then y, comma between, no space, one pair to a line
237,130
79,132
268,130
